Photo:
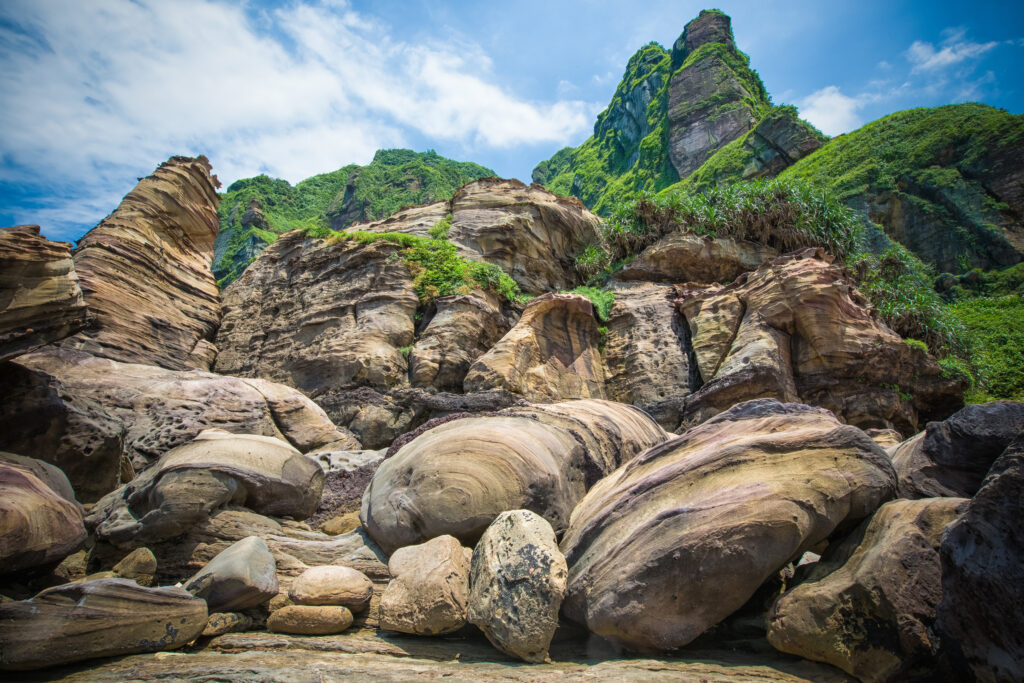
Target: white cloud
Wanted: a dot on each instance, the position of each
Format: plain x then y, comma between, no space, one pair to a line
98,92
831,111
954,49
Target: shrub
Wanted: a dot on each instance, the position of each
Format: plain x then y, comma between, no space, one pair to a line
603,301
995,328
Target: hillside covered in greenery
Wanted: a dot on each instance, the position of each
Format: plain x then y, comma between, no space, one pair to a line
254,211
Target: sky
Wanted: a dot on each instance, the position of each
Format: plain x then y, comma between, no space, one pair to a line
97,93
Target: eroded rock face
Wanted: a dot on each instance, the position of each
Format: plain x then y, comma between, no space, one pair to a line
145,271
40,299
457,477
685,257
102,618
868,606
517,584
95,418
429,589
319,316
244,575
952,457
796,329
39,525
682,535
262,473
551,354
982,554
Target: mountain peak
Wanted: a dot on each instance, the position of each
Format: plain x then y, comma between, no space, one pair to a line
710,26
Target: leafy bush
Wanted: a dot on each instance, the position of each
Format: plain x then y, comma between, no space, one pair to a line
916,344
995,328
603,301
592,261
441,228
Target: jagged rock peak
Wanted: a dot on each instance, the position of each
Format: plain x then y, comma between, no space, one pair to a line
710,26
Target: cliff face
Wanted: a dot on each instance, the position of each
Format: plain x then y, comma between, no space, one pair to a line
145,272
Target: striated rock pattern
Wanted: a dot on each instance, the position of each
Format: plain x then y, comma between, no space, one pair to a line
97,419
39,525
457,477
260,472
982,554
952,457
103,618
685,257
796,329
145,271
40,300
695,525
551,354
868,606
429,589
517,584
317,316
244,575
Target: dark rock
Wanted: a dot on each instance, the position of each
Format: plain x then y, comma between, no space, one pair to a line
244,575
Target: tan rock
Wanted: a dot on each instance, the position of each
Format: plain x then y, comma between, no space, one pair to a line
220,623
309,620
341,524
429,589
139,565
687,257
682,535
551,354
40,299
868,605
332,585
145,271
517,584
104,618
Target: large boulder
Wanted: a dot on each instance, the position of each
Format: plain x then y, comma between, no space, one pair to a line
332,585
102,618
682,535
242,576
796,329
40,300
145,271
868,606
455,478
262,473
517,583
980,619
40,524
98,420
429,589
952,457
551,354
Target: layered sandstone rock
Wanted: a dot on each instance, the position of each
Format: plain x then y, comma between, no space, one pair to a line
40,299
429,589
457,477
98,419
683,256
551,354
797,329
145,271
262,473
103,618
868,606
682,535
952,457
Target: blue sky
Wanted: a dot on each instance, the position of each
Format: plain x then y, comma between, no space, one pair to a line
95,94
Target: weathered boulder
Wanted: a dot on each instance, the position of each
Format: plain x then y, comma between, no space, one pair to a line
145,271
51,475
979,619
332,585
462,329
682,535
952,457
40,300
317,314
244,575
517,584
551,354
139,565
220,623
309,620
455,478
687,257
103,618
39,526
868,605
429,589
796,329
260,472
98,419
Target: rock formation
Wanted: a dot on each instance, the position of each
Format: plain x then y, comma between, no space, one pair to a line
429,589
685,257
145,271
332,585
244,575
40,300
696,524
